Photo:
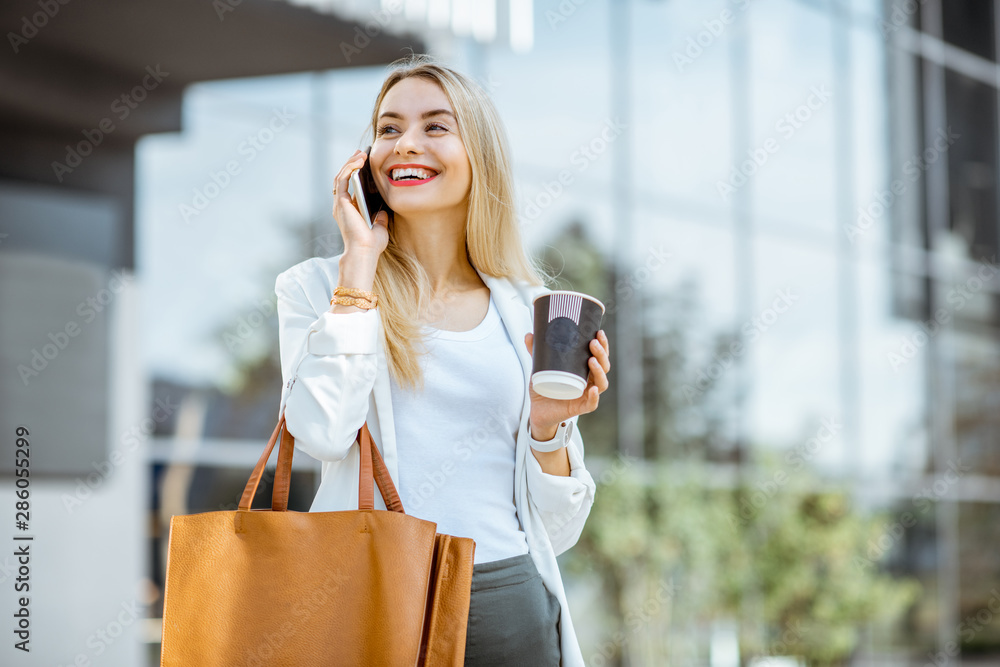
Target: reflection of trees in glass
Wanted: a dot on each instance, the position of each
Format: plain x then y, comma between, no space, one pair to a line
688,424
979,588
977,399
579,266
977,430
676,547
677,550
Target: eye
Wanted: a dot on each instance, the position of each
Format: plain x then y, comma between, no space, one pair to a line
437,127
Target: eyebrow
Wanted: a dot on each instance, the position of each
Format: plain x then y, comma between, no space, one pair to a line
426,114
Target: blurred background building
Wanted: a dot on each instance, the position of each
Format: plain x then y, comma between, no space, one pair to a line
788,206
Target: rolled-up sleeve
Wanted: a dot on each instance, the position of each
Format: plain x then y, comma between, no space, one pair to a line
328,368
562,502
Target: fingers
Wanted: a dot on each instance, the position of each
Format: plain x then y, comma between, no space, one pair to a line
355,162
597,375
591,395
600,364
597,382
600,348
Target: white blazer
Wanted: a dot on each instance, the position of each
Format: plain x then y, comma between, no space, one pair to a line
335,377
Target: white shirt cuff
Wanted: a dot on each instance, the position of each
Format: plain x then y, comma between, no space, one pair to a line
344,333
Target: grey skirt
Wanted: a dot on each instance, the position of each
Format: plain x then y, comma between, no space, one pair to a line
513,618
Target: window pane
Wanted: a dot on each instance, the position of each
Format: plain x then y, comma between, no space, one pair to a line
690,381
791,161
979,599
794,349
893,423
682,101
968,24
977,399
970,143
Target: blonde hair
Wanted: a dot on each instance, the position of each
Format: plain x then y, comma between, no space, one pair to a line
493,239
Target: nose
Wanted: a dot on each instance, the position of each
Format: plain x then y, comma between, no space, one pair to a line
407,142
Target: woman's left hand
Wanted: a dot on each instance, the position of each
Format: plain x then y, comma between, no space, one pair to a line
548,413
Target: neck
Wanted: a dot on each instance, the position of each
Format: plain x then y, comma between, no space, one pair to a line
438,243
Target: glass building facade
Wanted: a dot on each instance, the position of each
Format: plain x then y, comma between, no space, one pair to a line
804,192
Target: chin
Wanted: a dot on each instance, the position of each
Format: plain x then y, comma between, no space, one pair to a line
429,205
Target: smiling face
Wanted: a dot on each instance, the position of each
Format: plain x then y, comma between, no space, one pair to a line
418,160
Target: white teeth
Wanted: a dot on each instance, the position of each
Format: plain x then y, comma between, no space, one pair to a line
419,173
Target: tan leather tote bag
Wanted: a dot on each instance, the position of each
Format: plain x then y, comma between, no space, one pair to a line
270,587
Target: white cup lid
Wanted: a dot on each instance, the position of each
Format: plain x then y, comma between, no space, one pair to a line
558,384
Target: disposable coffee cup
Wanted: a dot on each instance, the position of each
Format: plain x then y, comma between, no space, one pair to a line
565,323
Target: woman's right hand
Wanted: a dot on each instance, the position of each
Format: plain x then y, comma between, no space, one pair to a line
358,238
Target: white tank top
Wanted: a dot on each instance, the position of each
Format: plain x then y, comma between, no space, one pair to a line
455,440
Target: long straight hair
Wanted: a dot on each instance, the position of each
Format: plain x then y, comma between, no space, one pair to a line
493,239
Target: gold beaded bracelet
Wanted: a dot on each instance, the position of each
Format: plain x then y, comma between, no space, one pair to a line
364,304
349,296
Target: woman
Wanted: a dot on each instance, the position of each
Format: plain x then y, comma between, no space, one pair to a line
445,273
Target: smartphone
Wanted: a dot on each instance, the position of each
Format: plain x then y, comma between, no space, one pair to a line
361,187
355,189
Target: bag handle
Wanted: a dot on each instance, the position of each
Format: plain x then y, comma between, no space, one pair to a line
371,458
372,466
